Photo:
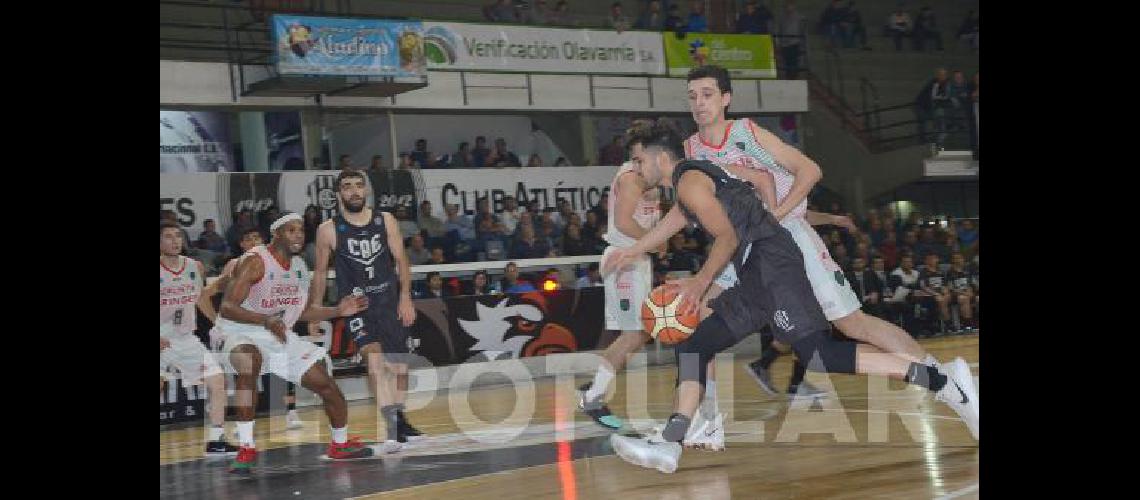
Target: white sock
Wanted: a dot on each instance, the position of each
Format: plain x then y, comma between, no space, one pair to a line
340,435
215,433
292,415
245,434
601,383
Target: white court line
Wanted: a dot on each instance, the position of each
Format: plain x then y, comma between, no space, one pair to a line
955,494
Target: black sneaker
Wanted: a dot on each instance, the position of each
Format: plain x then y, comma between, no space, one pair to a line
221,449
762,377
597,410
405,430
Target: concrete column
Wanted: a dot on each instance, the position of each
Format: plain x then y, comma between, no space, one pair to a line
254,146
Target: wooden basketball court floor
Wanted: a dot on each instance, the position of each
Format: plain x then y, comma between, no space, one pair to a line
870,439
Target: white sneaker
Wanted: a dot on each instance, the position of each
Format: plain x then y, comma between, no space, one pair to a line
388,447
959,393
706,434
647,453
292,421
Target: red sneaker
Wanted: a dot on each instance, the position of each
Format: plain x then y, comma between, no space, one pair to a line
244,461
352,448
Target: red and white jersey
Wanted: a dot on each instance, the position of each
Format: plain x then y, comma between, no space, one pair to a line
282,289
740,146
178,291
646,214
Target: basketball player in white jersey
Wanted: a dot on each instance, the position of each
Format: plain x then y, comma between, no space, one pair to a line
268,293
633,209
180,281
249,239
754,154
368,250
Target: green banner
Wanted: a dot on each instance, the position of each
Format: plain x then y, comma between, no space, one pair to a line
745,56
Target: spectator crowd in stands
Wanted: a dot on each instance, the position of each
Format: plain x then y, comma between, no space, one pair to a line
921,274
950,104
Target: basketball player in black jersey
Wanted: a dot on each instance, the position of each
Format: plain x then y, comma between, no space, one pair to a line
367,246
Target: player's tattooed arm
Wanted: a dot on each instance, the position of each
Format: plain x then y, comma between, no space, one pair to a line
805,170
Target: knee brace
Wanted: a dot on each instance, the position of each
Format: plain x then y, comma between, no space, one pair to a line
711,337
820,352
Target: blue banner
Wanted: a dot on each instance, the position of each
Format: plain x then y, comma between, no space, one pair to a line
348,47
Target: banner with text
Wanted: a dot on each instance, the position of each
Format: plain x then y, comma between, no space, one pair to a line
582,186
463,46
744,56
194,141
348,47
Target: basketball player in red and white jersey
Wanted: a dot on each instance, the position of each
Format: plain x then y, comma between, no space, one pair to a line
249,239
633,209
758,156
180,281
268,293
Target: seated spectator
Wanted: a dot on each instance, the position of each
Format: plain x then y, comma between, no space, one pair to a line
876,232
616,20
885,310
925,29
500,157
377,164
480,285
673,20
612,154
537,14
697,22
573,244
561,162
652,19
560,16
510,277
602,208
488,229
463,226
967,237
854,28
311,221
428,222
436,256
927,244
899,25
243,221
961,283
510,215
903,282
480,154
866,285
590,227
932,288
420,156
211,240
501,11
534,161
408,227
344,162
527,245
831,23
462,157
433,288
549,241
968,32
754,19
417,253
265,218
592,277
862,251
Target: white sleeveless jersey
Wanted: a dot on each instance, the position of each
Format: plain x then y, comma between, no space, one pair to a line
178,291
281,290
740,146
646,213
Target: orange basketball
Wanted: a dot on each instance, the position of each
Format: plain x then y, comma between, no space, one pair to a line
660,319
